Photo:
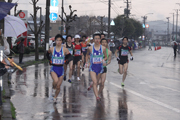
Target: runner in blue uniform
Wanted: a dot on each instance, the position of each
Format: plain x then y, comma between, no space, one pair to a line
96,62
57,70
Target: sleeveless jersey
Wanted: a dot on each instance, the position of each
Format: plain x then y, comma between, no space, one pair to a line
70,48
58,57
107,56
78,49
84,46
97,59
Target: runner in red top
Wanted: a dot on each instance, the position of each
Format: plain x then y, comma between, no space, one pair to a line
77,55
84,45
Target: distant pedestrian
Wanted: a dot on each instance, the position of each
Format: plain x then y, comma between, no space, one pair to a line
175,48
150,48
21,51
111,46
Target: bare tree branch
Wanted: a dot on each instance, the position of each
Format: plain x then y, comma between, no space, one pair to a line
16,14
36,1
32,16
30,3
62,19
31,28
40,28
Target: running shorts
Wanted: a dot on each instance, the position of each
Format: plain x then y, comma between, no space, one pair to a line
76,59
59,70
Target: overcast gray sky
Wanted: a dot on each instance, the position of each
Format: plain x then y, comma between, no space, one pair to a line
160,8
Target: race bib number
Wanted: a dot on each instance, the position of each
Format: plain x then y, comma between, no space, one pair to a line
84,49
58,60
124,52
78,52
97,59
70,50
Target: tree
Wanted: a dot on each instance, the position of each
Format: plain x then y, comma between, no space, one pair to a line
69,18
138,29
37,29
127,27
119,26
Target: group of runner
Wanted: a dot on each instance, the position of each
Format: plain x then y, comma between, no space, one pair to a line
94,55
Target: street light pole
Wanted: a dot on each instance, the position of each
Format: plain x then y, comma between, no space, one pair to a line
40,20
47,24
168,29
62,17
109,18
176,22
144,21
173,26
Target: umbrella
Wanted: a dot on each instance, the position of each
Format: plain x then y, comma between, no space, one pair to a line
13,26
5,8
19,39
174,42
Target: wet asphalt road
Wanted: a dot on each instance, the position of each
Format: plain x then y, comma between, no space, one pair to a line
152,92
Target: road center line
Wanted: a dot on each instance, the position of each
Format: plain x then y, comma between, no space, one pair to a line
148,98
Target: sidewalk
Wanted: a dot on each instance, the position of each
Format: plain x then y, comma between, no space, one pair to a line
27,58
5,109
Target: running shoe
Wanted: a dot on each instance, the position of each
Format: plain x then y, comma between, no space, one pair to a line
78,79
122,84
64,78
55,100
69,81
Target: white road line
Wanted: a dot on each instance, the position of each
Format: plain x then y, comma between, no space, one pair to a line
148,98
169,88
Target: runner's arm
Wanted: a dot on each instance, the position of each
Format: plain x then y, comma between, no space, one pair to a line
116,53
110,56
66,51
105,54
131,52
87,55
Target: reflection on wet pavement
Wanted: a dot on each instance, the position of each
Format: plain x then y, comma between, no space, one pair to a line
33,100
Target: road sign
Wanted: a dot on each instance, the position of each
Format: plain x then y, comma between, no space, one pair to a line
112,23
23,15
54,3
53,16
53,9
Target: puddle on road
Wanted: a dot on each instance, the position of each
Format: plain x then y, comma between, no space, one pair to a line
32,98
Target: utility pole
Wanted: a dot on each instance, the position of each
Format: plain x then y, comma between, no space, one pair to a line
62,17
101,24
168,30
109,18
176,23
90,25
40,20
127,11
144,22
47,22
173,24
